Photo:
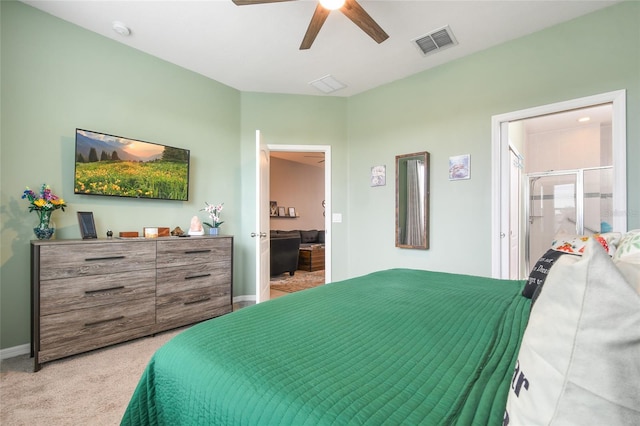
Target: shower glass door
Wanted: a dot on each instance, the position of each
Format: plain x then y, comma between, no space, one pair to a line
552,208
574,202
598,200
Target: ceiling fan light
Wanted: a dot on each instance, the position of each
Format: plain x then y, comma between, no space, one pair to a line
332,4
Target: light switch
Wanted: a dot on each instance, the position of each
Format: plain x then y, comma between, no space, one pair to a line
337,217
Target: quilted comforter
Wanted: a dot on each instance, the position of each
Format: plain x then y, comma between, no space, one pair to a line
393,347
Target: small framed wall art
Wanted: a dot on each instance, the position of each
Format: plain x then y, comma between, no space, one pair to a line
460,167
282,211
273,208
292,211
378,175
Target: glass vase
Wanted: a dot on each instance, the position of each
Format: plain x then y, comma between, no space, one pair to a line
45,229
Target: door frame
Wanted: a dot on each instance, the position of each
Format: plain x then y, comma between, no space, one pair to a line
326,149
500,185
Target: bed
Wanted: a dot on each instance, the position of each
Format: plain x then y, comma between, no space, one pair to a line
393,347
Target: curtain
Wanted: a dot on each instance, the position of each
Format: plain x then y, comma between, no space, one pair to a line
415,203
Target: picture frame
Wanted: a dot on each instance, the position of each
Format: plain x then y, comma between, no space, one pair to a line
281,211
292,211
378,176
87,225
460,167
273,208
149,232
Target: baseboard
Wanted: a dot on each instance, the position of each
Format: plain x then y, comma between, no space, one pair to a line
15,351
249,298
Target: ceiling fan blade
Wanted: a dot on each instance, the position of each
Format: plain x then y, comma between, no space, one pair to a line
361,18
248,2
318,18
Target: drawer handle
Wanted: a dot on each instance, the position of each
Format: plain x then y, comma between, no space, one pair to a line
103,290
197,251
197,276
91,259
89,324
193,302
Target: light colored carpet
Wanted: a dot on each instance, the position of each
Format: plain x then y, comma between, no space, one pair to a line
89,389
301,280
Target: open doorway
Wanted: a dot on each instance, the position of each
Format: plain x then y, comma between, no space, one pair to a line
567,182
299,205
556,171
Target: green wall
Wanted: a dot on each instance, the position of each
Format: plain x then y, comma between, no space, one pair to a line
55,77
447,111
294,120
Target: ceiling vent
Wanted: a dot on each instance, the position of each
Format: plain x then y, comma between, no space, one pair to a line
327,84
435,41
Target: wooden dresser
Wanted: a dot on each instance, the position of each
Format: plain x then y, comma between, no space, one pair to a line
87,294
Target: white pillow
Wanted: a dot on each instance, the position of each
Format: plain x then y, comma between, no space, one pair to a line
579,362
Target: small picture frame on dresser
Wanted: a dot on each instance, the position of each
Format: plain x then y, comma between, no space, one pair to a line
87,225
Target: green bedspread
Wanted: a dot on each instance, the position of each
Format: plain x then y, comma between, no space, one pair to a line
393,347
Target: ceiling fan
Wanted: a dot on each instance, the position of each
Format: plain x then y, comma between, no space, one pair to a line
350,8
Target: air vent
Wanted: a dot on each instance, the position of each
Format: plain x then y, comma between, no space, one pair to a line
435,41
327,84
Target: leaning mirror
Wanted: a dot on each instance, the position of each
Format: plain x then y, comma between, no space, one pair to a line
412,200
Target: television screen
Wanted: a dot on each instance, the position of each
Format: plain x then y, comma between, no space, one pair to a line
122,167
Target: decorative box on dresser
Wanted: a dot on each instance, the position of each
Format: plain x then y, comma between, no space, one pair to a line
87,294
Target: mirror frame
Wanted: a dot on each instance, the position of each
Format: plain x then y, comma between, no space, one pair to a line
400,159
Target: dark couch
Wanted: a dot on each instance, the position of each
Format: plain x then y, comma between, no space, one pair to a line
285,247
307,238
284,254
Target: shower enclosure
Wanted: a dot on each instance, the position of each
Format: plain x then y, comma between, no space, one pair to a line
575,201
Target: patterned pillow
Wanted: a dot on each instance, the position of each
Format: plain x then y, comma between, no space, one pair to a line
628,249
575,244
578,361
627,257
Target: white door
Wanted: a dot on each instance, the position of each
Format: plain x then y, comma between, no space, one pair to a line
262,220
515,214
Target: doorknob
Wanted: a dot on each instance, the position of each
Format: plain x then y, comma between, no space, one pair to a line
261,235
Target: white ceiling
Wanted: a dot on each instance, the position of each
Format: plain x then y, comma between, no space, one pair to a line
255,48
315,159
597,116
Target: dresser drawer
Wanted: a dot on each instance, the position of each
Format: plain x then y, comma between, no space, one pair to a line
96,324
189,251
77,260
97,290
203,275
177,309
